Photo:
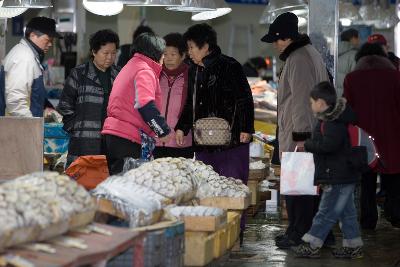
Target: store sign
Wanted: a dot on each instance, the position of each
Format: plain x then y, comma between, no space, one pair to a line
251,2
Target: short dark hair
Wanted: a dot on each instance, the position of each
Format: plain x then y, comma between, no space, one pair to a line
324,91
150,45
176,40
201,34
141,29
257,62
103,37
368,49
348,34
28,32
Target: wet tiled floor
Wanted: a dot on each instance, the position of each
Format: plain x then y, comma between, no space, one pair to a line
381,249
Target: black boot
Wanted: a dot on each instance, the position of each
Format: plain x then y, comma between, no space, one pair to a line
241,235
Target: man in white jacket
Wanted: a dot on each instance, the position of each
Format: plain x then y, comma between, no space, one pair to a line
25,93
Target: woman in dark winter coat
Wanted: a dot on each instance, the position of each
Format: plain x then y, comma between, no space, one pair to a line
222,91
84,99
373,91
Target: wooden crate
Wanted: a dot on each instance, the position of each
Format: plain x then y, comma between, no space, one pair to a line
258,174
277,169
254,189
227,203
265,196
199,248
106,206
253,209
36,233
204,223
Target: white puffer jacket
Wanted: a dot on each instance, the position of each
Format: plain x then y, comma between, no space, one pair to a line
24,88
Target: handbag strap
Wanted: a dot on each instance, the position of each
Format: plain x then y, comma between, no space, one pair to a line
194,101
194,94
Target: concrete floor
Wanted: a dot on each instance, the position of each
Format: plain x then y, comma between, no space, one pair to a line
381,249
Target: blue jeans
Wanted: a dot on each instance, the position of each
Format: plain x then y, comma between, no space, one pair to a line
337,204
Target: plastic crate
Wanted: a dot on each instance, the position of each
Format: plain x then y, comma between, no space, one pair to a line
233,228
55,138
174,245
154,252
199,248
125,259
220,242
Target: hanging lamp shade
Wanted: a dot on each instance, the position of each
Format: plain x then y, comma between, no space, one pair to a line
103,8
153,3
388,18
371,12
27,3
221,10
127,2
6,13
348,11
277,7
286,5
273,10
194,6
379,14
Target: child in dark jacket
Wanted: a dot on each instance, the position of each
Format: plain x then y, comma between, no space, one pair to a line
334,172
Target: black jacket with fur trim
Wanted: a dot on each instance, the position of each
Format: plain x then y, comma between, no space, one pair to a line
222,91
331,147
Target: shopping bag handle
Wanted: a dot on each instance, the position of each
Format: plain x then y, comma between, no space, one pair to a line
296,149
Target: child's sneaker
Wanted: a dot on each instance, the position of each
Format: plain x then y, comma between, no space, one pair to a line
348,253
306,251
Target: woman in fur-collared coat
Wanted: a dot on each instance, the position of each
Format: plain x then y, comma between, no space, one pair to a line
218,88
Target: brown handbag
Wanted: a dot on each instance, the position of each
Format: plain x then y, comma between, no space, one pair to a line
211,131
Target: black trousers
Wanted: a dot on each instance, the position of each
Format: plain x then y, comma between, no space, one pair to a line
163,152
301,211
369,210
117,149
392,200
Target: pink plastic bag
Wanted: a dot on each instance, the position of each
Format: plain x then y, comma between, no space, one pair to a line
297,174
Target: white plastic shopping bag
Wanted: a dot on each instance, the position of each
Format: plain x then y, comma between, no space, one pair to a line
297,174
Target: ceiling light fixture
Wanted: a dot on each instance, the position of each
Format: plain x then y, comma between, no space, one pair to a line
6,13
110,8
286,5
153,3
348,13
222,10
27,3
194,6
276,8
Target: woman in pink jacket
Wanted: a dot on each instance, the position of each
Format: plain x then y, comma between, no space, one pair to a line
135,104
173,83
